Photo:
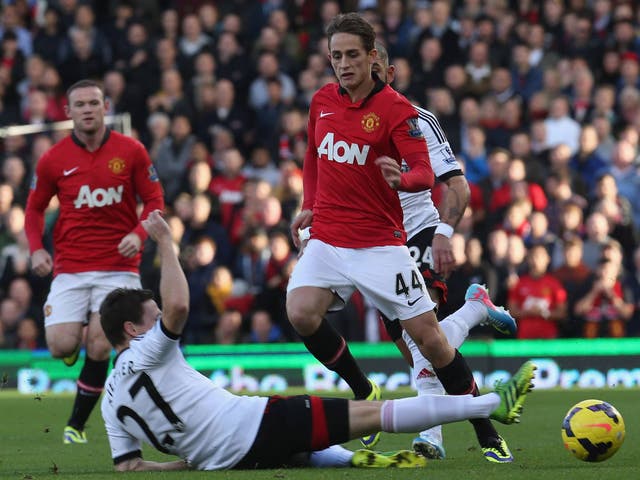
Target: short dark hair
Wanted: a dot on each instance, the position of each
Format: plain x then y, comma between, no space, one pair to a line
383,55
356,25
86,83
122,305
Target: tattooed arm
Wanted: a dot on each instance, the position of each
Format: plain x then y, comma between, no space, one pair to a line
453,206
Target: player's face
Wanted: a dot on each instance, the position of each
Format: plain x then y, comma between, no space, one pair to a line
86,108
350,61
150,314
385,72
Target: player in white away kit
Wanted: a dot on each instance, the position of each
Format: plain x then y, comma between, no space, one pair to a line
154,395
429,243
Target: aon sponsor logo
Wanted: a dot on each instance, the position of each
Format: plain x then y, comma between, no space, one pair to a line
98,197
341,151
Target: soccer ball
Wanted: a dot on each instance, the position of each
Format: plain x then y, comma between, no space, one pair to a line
593,430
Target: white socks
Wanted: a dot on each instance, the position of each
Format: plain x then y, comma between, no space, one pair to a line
456,328
334,456
457,325
409,415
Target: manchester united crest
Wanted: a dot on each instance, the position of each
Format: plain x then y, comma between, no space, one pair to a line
370,122
116,165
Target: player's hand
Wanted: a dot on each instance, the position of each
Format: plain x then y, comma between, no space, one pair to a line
390,171
302,220
41,262
442,251
156,226
130,245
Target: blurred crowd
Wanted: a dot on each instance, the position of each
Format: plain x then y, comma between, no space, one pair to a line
540,101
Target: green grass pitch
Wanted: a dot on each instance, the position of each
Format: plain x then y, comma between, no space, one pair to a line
31,446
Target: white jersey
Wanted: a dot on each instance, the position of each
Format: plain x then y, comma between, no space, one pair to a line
153,395
417,207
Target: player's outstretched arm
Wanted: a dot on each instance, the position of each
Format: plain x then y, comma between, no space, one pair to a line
174,290
140,465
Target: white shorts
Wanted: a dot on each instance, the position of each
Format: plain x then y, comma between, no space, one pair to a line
387,276
74,295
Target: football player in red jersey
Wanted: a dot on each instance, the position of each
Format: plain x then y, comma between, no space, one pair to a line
97,175
359,130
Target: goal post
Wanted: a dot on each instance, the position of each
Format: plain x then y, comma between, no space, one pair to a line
121,122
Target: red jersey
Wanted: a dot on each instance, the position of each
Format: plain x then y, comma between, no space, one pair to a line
545,291
230,194
353,206
98,194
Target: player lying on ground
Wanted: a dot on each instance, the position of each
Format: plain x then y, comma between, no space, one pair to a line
153,395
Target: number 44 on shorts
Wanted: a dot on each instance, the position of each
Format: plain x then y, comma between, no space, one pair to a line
416,283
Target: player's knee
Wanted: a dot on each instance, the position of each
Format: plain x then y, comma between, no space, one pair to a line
299,316
98,348
61,349
432,342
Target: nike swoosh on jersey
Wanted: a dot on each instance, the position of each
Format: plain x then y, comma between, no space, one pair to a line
411,304
69,172
326,114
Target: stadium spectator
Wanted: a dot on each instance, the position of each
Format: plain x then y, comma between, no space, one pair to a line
201,223
597,236
193,40
10,21
174,155
200,259
261,166
34,70
49,37
198,175
574,276
123,98
232,62
586,162
560,127
262,329
631,284
268,67
525,78
171,98
539,233
604,309
82,61
228,329
56,98
14,173
538,300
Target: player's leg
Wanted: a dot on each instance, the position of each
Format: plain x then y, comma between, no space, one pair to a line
416,413
66,310
90,381
477,309
98,350
305,430
316,285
